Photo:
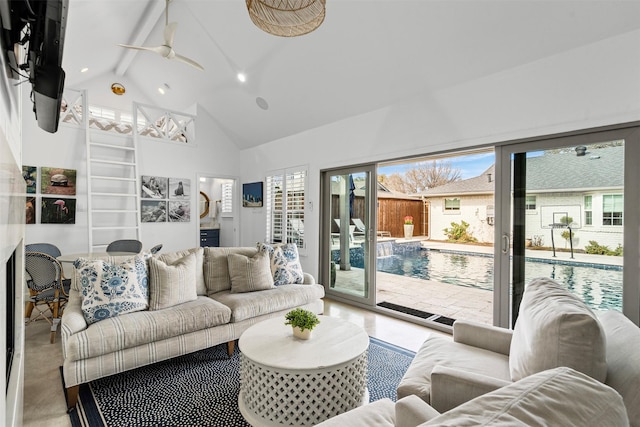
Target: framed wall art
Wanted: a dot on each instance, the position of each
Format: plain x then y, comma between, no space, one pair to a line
252,195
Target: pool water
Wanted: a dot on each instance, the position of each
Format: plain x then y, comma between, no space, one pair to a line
600,288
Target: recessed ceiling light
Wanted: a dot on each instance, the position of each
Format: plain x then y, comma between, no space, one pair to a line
161,90
262,103
118,89
242,77
84,70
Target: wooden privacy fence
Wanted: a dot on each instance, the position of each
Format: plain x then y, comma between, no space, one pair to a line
391,213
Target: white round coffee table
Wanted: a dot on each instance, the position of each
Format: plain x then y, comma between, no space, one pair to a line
286,381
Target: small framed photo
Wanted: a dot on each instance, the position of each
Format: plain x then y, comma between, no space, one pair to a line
154,187
179,188
179,211
58,211
252,195
58,181
30,175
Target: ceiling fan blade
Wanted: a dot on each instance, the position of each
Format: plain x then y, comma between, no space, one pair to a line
160,50
188,61
169,33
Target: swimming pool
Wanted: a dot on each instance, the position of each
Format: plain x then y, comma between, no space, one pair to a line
600,288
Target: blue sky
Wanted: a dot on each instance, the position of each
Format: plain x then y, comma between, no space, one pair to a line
470,165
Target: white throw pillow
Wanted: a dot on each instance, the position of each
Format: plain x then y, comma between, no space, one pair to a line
112,289
172,283
555,328
285,263
171,257
250,274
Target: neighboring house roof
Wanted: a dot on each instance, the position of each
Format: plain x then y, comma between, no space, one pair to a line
600,168
483,184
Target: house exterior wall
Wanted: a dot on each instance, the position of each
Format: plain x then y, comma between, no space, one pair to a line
474,210
537,223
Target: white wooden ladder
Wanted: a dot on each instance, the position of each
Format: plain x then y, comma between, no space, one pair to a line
113,188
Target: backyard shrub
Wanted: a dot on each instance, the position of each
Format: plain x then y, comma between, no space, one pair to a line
597,249
459,233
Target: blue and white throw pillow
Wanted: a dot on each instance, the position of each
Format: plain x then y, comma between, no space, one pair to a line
285,263
109,290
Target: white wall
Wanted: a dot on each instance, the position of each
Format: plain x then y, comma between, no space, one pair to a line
12,217
591,86
473,210
211,154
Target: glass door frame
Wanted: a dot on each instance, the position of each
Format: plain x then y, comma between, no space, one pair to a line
370,221
630,133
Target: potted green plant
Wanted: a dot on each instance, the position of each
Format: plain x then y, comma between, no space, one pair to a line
302,321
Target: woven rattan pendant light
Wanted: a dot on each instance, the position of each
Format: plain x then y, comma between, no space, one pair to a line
287,18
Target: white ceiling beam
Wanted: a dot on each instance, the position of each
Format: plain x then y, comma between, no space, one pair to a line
152,14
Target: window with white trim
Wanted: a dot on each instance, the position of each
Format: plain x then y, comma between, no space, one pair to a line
452,204
612,209
530,203
227,198
588,210
285,196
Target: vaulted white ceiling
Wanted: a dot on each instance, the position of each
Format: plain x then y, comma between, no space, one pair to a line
366,55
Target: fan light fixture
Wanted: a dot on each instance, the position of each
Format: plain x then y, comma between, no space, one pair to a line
287,18
118,89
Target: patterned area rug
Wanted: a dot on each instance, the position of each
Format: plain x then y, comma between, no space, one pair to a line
201,389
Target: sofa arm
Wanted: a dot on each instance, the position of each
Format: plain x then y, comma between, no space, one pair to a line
72,318
412,411
308,279
451,387
479,335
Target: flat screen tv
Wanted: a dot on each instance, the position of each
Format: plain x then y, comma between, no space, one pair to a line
32,42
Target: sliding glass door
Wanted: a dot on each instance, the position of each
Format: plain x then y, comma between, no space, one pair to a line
347,259
569,210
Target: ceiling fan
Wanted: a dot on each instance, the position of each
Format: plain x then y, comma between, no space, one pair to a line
166,50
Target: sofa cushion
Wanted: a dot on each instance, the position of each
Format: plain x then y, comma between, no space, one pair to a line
623,360
439,350
146,327
171,283
216,268
380,413
411,411
285,263
171,257
112,289
250,274
555,328
253,304
555,397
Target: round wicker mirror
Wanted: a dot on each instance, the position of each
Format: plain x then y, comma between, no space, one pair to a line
204,204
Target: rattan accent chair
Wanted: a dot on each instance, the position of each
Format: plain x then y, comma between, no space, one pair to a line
47,287
126,245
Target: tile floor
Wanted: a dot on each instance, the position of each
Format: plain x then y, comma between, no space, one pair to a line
44,403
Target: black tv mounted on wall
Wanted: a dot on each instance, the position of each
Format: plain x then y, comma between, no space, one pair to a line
37,27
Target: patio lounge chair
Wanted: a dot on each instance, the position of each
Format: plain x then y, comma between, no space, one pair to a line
361,228
352,229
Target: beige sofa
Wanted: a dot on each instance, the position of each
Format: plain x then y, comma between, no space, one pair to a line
216,315
555,397
553,329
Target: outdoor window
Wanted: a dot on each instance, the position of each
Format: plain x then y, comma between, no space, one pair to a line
588,210
285,195
530,203
612,208
451,204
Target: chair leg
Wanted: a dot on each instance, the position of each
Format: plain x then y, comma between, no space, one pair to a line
28,309
231,346
72,397
54,328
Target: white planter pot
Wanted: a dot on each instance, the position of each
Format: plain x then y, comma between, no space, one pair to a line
408,231
303,335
